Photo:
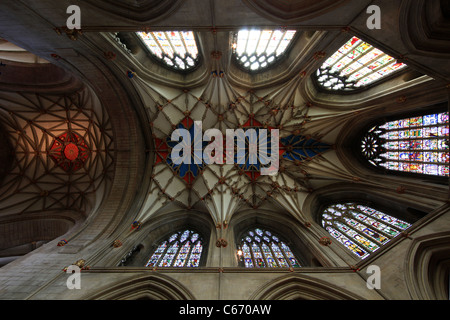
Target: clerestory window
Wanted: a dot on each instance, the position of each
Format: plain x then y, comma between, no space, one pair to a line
360,228
175,49
416,145
181,249
261,249
355,65
255,50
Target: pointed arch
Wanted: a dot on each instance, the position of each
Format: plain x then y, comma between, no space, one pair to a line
428,264
143,244
260,248
255,50
360,228
285,229
301,287
414,144
177,50
409,210
146,287
183,248
356,65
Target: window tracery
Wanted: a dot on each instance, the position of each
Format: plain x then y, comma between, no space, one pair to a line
181,249
416,145
355,65
261,249
360,228
255,50
176,49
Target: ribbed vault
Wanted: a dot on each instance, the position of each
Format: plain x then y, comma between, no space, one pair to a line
63,152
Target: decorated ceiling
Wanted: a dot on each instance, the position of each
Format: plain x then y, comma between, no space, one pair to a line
62,150
305,132
223,189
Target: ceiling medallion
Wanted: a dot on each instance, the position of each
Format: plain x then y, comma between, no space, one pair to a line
187,171
69,151
253,168
295,148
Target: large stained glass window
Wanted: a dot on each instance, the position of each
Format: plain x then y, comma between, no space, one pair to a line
355,65
416,145
177,49
261,249
257,49
182,249
362,229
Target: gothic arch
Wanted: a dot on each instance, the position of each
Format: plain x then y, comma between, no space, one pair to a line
292,11
425,25
289,66
146,287
301,287
412,210
383,199
348,144
291,231
141,244
140,59
141,10
427,267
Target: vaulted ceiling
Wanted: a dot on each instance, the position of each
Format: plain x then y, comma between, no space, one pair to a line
90,130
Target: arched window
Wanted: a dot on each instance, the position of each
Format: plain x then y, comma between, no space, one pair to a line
362,229
355,65
182,249
261,249
416,145
255,50
176,49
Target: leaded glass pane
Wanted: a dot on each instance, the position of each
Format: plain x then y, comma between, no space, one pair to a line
356,64
257,49
257,255
182,255
182,249
269,257
194,259
261,248
248,260
167,260
360,228
347,243
289,255
177,49
279,255
415,145
157,255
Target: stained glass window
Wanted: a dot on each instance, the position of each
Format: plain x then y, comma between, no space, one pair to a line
355,65
362,229
182,249
260,249
416,145
257,49
177,49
